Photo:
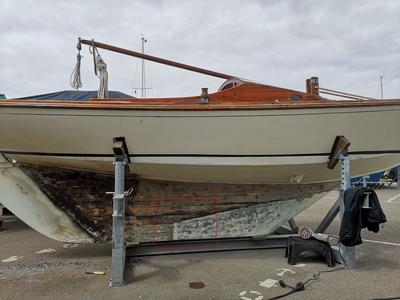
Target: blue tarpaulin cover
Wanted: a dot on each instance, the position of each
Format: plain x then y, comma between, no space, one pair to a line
74,96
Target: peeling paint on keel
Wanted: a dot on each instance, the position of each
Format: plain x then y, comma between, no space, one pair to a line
261,219
23,198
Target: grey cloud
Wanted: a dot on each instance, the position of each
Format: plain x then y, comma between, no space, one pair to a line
348,44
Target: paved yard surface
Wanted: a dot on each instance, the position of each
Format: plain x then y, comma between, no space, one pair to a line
58,272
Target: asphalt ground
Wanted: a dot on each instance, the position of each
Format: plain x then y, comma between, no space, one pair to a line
59,271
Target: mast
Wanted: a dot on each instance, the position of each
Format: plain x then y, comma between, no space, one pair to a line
381,80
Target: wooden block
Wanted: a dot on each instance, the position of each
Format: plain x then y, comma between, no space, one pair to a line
341,145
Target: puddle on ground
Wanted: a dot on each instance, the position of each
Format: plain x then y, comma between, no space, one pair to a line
197,285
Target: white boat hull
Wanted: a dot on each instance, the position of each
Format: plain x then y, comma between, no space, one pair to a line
228,146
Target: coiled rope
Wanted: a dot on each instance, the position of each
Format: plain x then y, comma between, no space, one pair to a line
75,78
100,69
103,75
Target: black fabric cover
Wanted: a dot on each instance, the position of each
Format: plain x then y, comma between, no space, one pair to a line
73,96
355,218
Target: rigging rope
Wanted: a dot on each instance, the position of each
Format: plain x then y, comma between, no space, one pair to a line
100,69
103,75
75,78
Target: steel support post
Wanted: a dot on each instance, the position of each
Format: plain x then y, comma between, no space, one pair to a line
1,215
347,253
330,216
118,238
398,177
118,224
293,226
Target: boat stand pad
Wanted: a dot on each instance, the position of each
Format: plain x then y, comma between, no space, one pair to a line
341,145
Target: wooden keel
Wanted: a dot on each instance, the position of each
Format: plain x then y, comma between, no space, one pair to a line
161,210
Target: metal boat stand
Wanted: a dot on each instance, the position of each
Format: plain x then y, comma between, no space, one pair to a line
346,254
121,163
339,152
121,251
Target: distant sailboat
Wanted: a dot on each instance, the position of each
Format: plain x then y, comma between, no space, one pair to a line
143,88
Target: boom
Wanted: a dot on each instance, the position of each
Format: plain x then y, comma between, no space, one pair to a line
154,59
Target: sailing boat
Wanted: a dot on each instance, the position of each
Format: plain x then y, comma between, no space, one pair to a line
249,149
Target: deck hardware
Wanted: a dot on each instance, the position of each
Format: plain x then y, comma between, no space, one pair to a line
296,97
204,96
202,101
312,85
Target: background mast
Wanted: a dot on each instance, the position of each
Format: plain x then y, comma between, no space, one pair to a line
381,80
143,70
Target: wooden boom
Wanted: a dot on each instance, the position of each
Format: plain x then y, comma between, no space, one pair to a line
155,59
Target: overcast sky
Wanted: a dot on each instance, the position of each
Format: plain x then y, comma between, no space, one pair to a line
348,44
